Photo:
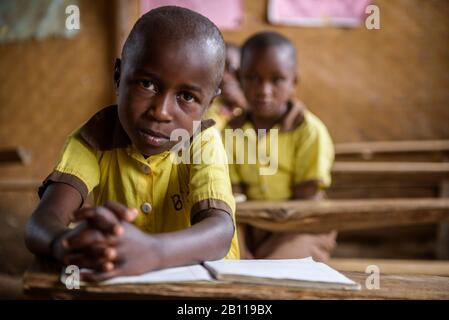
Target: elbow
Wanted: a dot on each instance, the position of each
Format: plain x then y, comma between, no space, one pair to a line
34,237
29,236
226,236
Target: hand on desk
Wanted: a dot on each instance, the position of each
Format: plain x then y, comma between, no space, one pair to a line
107,243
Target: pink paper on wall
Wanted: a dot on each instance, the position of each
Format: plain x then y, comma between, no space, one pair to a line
313,13
226,14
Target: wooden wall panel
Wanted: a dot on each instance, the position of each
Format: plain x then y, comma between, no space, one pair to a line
367,85
48,88
388,84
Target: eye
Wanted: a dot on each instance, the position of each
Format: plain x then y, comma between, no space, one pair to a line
251,77
278,79
148,85
187,97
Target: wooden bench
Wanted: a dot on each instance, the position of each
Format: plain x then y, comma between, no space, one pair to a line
425,150
365,180
42,280
419,224
387,179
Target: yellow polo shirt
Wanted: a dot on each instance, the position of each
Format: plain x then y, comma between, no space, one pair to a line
305,153
98,158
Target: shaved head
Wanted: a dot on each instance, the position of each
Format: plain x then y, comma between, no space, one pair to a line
264,40
179,27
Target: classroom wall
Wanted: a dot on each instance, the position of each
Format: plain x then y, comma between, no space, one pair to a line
50,87
387,84
390,84
47,89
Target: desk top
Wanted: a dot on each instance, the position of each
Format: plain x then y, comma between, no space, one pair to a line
42,281
326,215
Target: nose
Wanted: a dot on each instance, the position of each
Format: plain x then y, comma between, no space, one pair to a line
265,89
160,109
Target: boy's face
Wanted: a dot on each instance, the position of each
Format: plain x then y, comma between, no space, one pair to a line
163,87
268,79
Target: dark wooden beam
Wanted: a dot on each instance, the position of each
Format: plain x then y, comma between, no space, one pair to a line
425,150
323,216
15,155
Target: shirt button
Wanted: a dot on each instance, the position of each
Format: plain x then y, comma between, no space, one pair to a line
146,207
146,169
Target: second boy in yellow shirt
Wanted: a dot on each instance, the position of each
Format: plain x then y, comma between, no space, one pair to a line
303,155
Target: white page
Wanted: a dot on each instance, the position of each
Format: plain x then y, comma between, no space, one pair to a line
193,273
286,269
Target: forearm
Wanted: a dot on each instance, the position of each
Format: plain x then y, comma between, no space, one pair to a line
40,231
51,218
208,239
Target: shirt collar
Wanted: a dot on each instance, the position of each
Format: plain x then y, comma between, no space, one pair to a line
290,121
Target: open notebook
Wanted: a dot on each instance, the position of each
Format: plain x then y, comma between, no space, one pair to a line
289,272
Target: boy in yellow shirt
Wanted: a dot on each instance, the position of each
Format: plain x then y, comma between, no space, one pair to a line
151,211
296,142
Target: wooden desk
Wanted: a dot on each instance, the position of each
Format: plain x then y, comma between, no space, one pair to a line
323,216
354,180
393,266
42,281
426,150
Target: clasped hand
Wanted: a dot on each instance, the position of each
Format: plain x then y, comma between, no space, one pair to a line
107,244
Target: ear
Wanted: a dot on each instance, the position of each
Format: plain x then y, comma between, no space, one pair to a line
296,79
117,70
216,94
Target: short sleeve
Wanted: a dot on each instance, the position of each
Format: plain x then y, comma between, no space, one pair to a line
314,154
209,175
77,166
210,185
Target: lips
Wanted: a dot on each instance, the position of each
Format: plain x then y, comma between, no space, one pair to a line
153,138
263,103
